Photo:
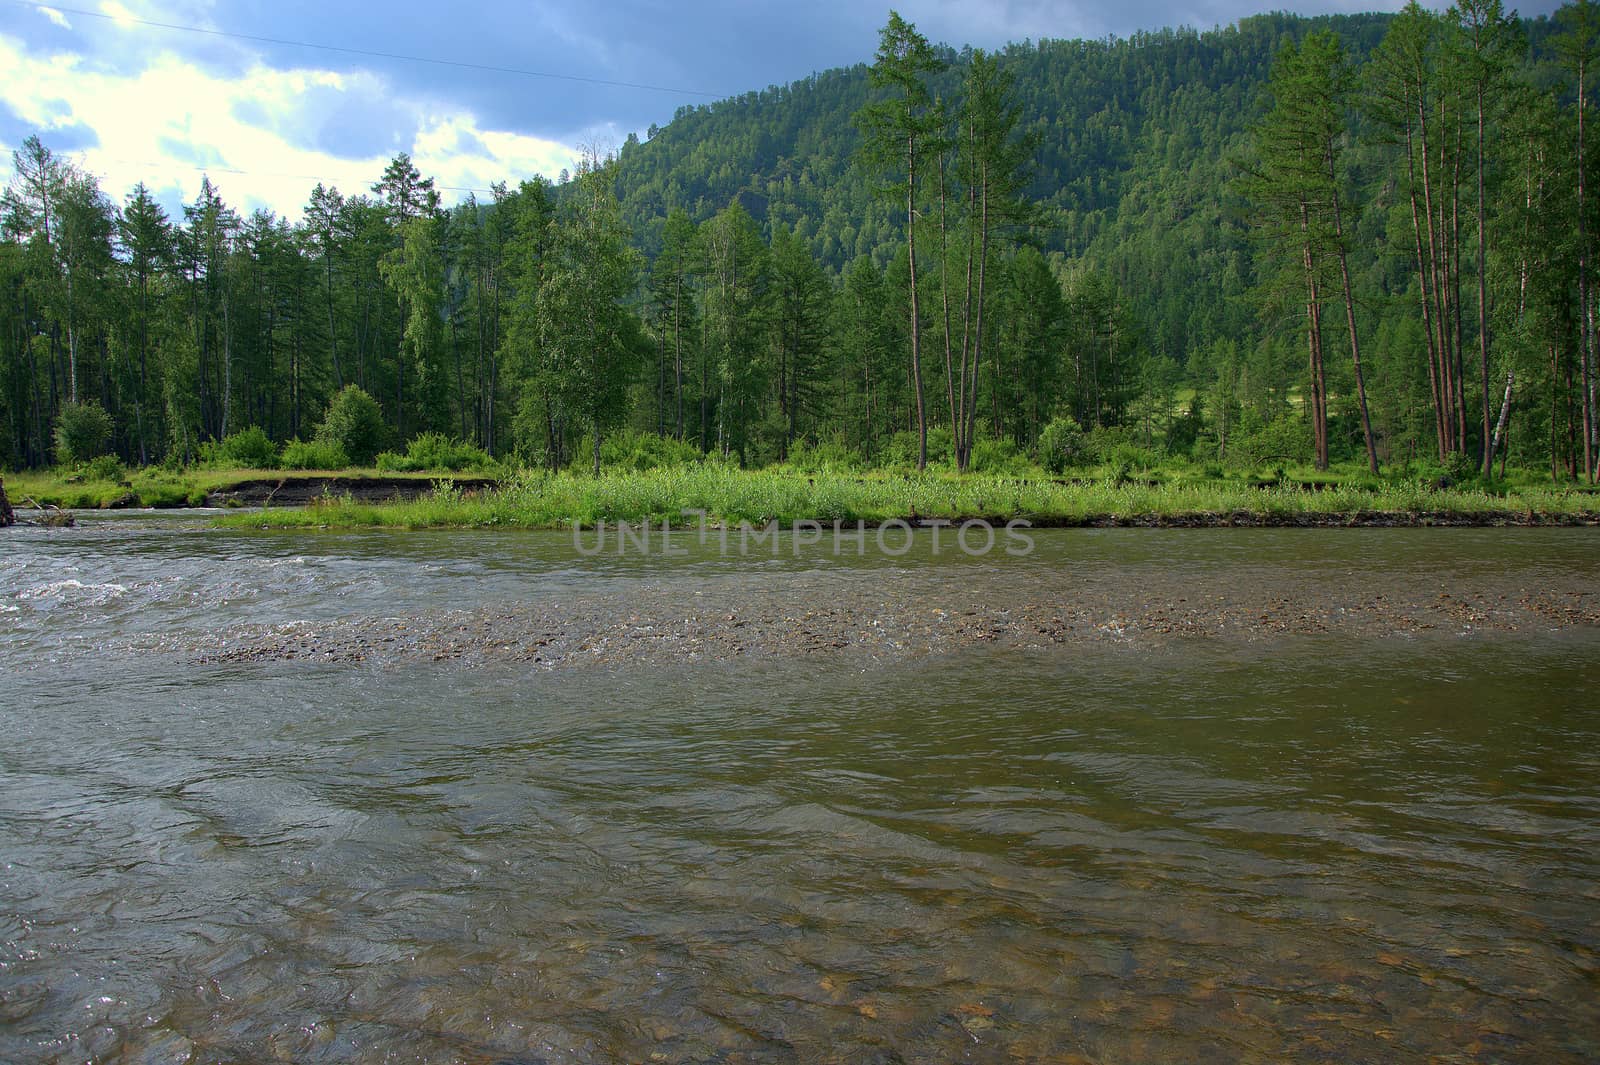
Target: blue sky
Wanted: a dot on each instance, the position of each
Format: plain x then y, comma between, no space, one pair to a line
267,119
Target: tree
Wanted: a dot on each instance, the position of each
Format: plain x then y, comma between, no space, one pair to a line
83,430
588,337
324,225
735,267
354,424
994,161
147,244
800,298
1297,181
1577,45
1490,37
898,131
414,271
670,283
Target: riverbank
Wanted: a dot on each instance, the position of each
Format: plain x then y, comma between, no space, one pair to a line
158,488
730,497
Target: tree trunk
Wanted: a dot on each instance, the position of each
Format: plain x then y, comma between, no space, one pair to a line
1483,310
916,323
1500,425
1587,319
1350,319
977,331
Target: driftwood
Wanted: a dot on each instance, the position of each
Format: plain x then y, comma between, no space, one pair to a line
7,516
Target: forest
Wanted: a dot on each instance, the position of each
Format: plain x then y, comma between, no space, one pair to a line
1358,239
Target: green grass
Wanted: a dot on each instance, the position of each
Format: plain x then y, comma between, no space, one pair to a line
154,486
1171,491
729,496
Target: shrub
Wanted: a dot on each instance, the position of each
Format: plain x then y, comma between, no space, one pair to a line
435,451
1001,457
1284,440
630,450
901,448
83,432
1129,456
824,455
248,449
1062,444
355,424
313,455
105,468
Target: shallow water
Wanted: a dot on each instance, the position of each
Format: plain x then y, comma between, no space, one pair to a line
1346,847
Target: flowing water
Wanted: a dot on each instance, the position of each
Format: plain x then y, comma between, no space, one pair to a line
1353,844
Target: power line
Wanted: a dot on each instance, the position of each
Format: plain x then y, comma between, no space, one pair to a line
460,64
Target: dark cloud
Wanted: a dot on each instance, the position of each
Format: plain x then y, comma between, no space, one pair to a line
719,47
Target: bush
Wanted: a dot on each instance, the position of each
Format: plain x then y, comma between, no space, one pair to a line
825,455
105,468
83,432
1001,457
630,450
313,455
250,449
1285,440
1062,445
354,423
901,449
435,451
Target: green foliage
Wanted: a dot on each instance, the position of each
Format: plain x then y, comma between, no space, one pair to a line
1000,458
1063,445
248,449
82,432
105,468
832,454
313,455
629,450
777,322
730,496
435,451
900,450
1276,443
354,424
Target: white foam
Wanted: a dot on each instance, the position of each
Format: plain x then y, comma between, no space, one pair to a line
73,590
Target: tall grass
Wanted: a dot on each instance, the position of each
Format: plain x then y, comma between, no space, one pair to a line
730,496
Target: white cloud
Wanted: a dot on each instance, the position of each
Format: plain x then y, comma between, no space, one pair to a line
117,11
250,132
55,16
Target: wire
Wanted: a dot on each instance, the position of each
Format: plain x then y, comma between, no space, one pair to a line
461,64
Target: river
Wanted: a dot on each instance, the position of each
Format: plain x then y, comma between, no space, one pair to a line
1137,796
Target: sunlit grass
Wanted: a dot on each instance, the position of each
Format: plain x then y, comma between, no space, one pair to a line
156,486
730,496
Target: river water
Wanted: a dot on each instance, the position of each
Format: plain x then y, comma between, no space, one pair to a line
323,797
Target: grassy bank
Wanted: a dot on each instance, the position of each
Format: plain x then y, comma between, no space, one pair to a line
731,496
158,487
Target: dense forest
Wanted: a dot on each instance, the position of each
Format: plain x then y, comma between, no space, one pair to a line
1348,238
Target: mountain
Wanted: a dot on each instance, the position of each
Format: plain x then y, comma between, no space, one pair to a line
1135,138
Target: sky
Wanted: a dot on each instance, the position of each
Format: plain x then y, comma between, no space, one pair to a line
269,97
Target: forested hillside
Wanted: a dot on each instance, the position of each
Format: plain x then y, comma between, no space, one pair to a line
1120,243
1133,141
